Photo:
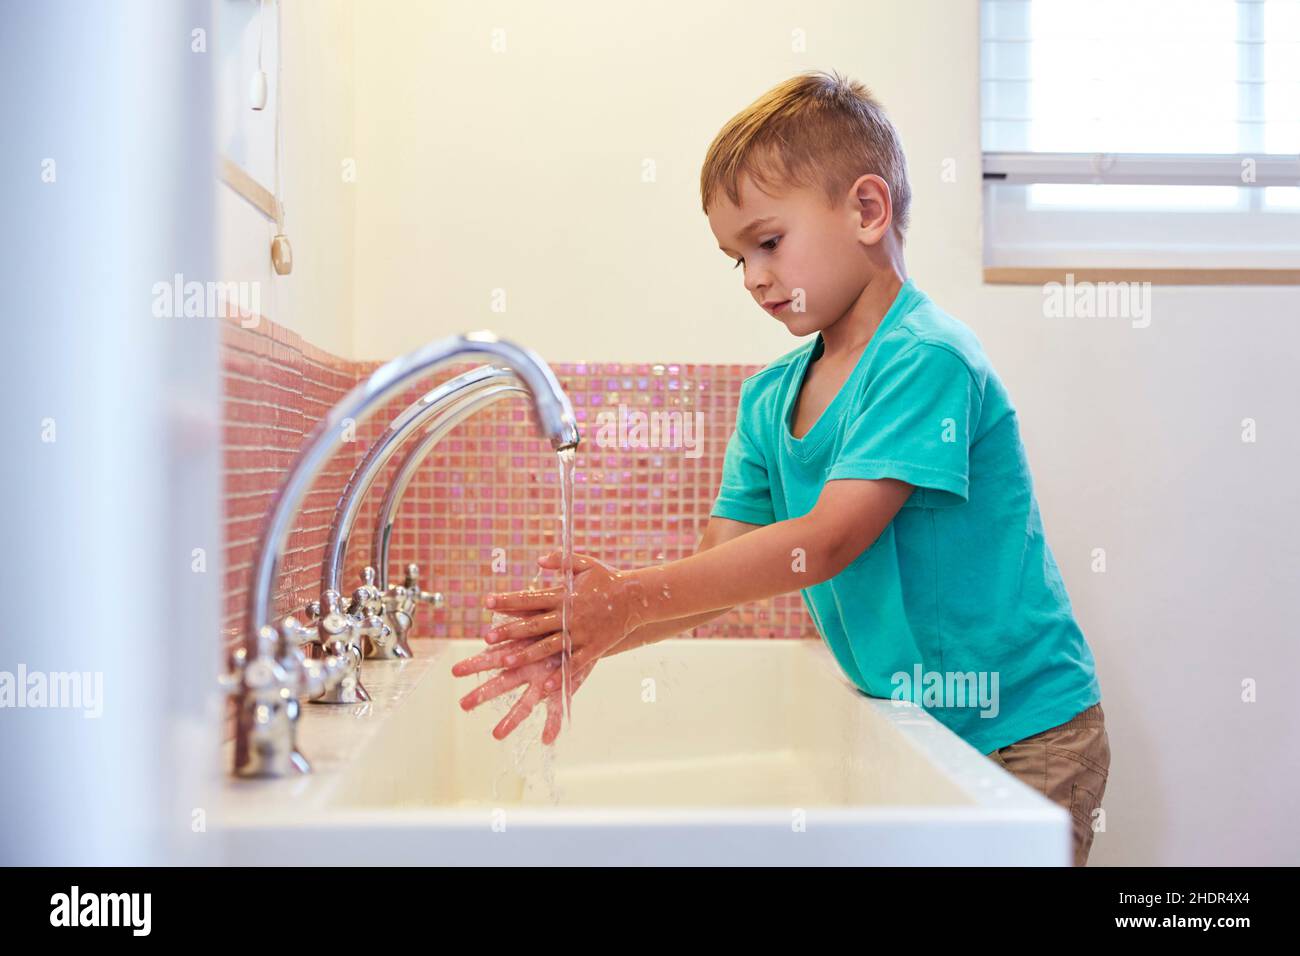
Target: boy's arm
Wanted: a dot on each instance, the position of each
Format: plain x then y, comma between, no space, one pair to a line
718,531
773,559
776,559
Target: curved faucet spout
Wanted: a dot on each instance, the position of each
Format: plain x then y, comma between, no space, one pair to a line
484,393
415,416
553,409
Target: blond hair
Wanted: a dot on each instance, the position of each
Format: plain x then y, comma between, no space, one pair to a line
815,129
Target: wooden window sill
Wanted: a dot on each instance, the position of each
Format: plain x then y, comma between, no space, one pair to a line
1012,275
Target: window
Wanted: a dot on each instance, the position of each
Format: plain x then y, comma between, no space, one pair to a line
1158,135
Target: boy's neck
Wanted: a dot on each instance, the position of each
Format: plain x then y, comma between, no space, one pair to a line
848,335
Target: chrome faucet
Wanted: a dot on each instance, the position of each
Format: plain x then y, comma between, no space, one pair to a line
342,634
438,413
267,694
489,385
269,686
400,601
439,410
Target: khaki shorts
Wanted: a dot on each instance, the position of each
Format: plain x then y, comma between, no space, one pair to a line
1069,764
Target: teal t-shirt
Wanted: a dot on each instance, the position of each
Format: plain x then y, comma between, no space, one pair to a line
958,605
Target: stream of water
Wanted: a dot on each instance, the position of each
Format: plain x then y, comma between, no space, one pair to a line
567,457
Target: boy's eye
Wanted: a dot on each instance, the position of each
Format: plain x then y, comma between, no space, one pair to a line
767,246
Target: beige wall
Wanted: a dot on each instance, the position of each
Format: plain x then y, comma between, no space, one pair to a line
316,299
522,171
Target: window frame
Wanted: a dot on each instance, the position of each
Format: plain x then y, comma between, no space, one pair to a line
1031,242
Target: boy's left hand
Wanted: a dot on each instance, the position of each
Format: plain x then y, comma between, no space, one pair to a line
603,610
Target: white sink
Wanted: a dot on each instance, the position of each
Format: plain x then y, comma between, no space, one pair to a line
685,752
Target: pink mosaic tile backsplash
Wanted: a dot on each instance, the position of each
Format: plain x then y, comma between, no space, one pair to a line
486,503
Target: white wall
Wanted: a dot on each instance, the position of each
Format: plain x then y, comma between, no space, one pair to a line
522,171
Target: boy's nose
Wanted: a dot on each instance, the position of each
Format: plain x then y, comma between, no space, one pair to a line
756,281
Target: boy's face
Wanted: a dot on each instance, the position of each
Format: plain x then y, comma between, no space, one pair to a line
802,252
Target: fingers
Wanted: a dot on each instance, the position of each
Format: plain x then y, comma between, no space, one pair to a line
519,653
555,562
506,680
581,676
554,716
543,599
555,709
488,660
576,679
518,713
580,662
539,625
526,651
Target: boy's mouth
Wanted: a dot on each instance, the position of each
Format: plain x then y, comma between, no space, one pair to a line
776,307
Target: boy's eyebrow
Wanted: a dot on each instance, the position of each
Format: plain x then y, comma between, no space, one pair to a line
761,221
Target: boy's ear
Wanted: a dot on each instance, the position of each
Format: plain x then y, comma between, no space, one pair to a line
873,208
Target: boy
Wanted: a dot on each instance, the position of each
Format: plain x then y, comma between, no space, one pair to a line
878,469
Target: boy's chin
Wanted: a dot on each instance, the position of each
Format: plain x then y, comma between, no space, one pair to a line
799,324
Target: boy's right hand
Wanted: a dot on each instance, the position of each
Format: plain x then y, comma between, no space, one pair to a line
535,675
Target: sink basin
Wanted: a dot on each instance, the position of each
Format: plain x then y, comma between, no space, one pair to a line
684,752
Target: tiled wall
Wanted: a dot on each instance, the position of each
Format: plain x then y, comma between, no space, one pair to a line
276,388
486,502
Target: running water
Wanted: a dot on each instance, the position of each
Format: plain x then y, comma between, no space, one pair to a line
566,457
538,535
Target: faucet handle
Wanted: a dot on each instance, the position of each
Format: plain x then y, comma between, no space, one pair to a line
416,593
311,677
335,625
368,583
395,599
257,673
367,600
233,678
294,634
328,603
319,676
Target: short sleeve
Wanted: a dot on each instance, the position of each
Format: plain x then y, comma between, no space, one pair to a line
914,423
746,492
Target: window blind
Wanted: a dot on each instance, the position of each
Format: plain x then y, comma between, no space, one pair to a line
1179,92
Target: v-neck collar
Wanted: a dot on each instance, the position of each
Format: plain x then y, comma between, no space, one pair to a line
812,439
